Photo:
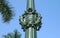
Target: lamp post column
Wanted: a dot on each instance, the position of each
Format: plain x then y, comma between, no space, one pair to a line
30,33
30,20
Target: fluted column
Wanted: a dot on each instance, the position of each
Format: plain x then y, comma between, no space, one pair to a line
30,33
30,4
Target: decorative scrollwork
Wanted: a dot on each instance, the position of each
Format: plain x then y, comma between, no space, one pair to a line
31,19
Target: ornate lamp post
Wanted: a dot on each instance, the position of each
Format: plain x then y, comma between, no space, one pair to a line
30,20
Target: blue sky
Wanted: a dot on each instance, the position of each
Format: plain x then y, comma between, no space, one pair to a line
50,11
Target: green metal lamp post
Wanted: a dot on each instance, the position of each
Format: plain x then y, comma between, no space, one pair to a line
30,20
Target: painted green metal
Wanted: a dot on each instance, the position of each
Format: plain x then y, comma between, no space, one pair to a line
30,33
30,4
30,20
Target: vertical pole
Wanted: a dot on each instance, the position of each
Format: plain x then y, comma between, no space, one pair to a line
30,20
30,4
30,33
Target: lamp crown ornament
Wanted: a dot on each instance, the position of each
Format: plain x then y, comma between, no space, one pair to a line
30,19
